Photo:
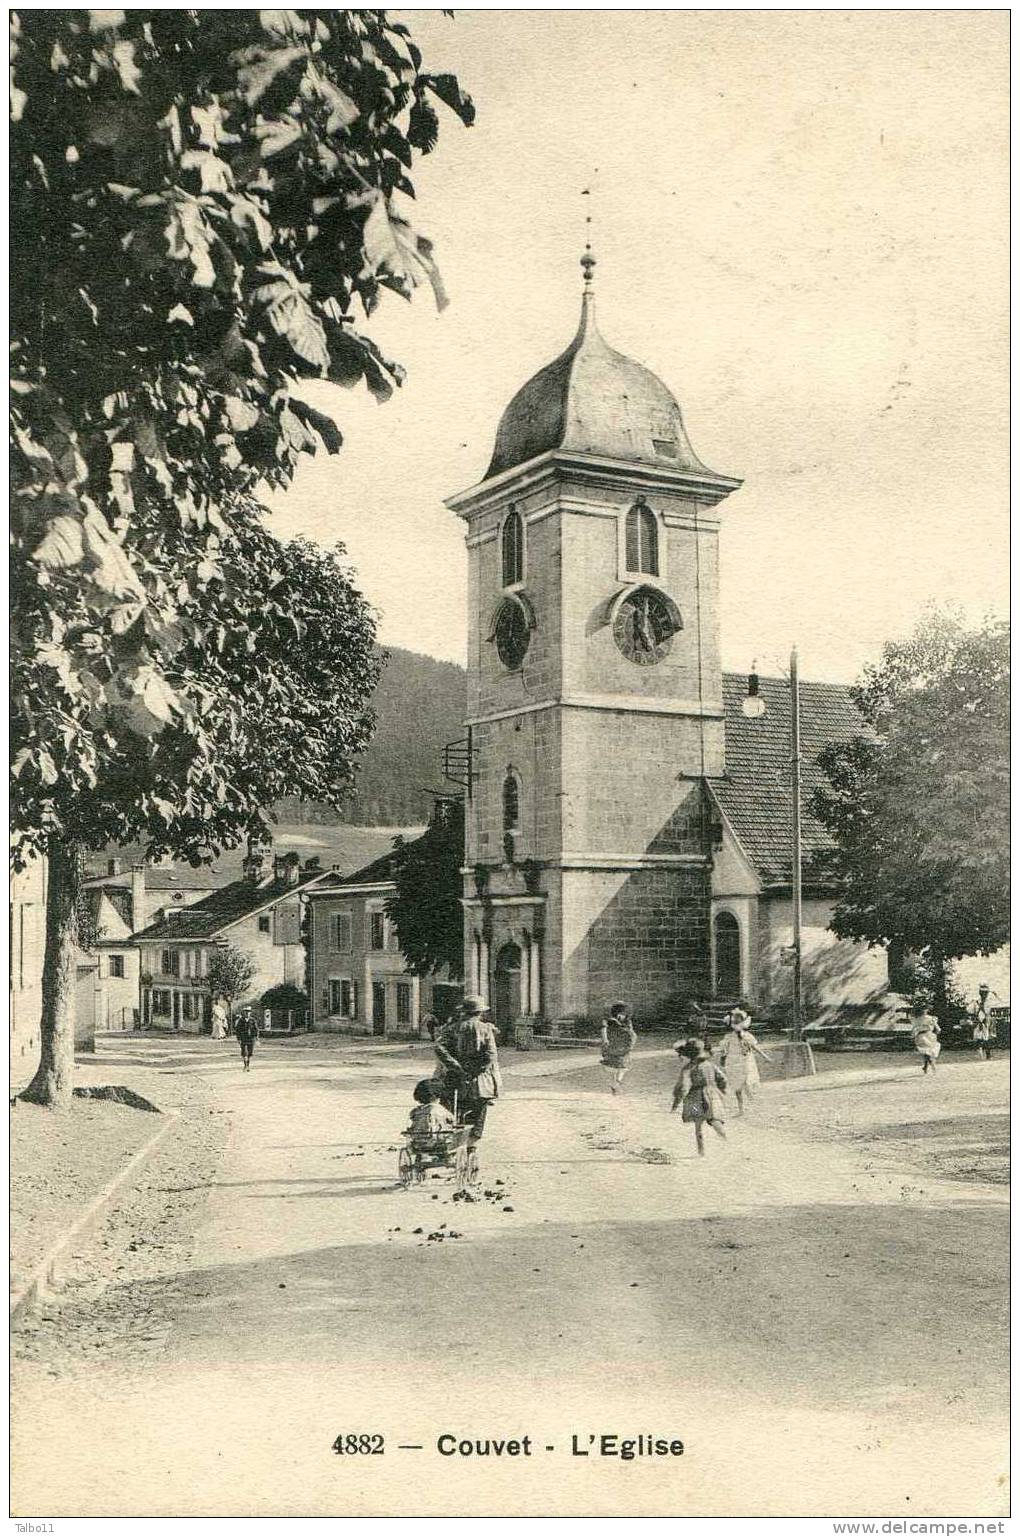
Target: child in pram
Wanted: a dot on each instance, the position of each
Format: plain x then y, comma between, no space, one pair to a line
429,1119
435,1140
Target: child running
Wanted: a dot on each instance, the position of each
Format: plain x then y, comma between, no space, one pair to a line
700,1089
738,1051
925,1029
618,1041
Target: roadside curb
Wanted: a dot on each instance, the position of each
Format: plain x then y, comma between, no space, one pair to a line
45,1274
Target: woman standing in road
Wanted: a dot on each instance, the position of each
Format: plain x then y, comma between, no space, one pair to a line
700,1090
737,1052
220,1020
618,1041
469,1064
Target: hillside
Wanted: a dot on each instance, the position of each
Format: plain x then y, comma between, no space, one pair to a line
420,706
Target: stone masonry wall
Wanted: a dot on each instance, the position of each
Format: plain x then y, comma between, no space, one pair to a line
648,943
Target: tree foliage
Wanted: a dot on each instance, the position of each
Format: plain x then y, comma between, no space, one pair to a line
219,200
230,973
284,995
216,194
918,804
426,907
274,673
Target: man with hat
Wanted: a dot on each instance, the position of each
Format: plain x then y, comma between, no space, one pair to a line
466,1048
983,1033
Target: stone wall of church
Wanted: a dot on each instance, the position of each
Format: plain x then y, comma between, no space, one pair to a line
641,935
592,576
529,747
627,781
491,686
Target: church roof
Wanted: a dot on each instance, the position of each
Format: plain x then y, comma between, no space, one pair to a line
594,400
756,792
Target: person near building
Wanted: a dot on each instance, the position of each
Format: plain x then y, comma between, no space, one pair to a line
738,1051
695,1020
220,1020
700,1093
246,1029
983,1032
618,1041
430,1024
925,1029
469,1073
738,1018
686,1049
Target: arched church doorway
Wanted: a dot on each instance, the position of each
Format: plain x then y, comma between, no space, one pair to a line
727,956
506,992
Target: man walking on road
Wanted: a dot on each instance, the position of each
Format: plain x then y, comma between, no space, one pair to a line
247,1031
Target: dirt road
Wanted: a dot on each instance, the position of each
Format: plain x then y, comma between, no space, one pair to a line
816,1309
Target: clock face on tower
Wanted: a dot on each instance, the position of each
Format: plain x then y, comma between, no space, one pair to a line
644,627
513,635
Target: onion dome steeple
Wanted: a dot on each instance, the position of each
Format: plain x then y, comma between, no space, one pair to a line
593,400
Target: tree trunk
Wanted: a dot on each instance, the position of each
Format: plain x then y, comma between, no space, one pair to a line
53,1084
940,1002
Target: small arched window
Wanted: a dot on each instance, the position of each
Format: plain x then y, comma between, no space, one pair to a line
513,549
511,804
642,540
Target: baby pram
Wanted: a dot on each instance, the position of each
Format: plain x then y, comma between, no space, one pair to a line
451,1148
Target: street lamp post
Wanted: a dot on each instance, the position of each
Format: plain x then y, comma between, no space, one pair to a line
754,708
796,872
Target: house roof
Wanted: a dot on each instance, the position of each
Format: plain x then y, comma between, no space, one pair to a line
379,872
221,909
119,898
756,792
175,877
343,845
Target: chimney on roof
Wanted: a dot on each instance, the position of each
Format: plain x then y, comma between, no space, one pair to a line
113,867
287,867
137,898
257,866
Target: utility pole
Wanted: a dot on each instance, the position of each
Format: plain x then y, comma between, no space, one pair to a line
796,877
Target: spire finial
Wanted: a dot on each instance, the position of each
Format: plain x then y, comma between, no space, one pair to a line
587,260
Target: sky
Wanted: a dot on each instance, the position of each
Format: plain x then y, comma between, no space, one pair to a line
800,225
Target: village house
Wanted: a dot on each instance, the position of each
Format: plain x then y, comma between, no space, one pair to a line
111,962
260,915
122,899
359,982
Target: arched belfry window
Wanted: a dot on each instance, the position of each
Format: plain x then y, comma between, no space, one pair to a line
511,803
642,540
513,548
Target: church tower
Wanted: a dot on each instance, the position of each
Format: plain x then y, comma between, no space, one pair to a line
595,705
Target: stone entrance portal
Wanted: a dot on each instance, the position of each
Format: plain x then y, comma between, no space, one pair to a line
506,992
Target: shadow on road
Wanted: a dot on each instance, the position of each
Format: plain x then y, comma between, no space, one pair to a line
861,1327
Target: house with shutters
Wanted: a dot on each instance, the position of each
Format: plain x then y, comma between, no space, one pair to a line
260,914
360,984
